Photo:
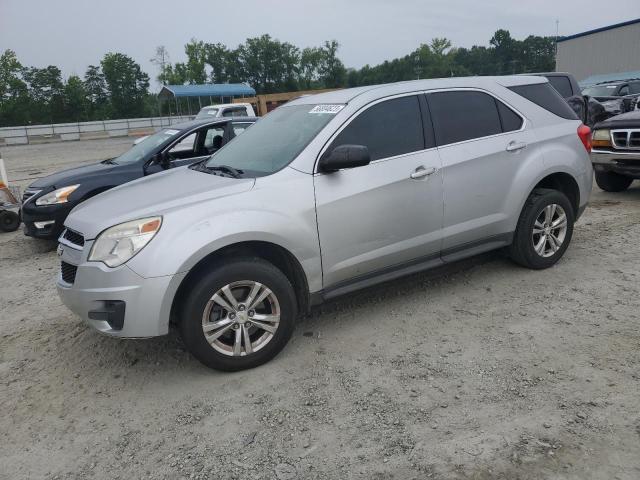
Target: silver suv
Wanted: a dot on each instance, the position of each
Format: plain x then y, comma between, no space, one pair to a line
328,194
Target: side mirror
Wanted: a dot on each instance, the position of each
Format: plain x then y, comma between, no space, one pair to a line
162,159
345,156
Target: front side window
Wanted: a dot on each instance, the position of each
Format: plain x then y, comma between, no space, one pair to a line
387,129
144,148
276,140
214,139
463,115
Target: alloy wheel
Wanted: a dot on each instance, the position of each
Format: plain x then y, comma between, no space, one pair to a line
241,318
549,230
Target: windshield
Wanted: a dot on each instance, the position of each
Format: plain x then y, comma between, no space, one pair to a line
207,112
142,149
273,142
601,90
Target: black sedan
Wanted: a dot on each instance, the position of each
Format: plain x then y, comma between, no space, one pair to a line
48,201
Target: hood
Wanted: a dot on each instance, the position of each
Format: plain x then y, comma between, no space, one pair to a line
72,176
156,194
624,120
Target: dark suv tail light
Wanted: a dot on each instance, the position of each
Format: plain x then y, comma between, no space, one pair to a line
584,133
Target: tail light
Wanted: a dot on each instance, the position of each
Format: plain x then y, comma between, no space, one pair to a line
584,133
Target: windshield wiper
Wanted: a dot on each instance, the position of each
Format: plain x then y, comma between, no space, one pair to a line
234,172
109,161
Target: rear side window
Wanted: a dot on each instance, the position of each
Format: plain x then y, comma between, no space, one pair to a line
562,85
510,120
547,97
463,115
634,87
387,129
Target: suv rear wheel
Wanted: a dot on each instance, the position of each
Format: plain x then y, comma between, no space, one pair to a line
544,229
613,182
238,315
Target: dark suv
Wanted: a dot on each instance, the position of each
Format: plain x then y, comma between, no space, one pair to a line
48,201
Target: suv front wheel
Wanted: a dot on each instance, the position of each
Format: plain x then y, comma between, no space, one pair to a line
238,315
544,229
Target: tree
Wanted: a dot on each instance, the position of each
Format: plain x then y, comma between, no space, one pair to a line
161,60
13,91
97,95
126,83
332,71
309,71
46,91
75,99
196,61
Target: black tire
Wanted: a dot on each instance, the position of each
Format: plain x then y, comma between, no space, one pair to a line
522,249
9,221
613,182
201,290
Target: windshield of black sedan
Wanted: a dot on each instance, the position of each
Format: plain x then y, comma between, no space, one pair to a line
142,149
273,142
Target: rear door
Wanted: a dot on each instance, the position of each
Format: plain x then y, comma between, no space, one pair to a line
482,143
388,213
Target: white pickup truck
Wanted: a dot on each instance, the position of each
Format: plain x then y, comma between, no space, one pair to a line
227,110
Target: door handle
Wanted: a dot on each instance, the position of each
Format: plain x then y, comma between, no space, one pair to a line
422,172
515,146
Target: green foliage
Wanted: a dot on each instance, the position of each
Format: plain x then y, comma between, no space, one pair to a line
118,88
126,83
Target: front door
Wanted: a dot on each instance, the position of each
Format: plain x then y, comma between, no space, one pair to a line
386,214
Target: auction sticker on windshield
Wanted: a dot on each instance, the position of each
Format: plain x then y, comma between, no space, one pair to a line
331,109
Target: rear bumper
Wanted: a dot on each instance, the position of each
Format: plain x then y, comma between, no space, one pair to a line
117,301
626,163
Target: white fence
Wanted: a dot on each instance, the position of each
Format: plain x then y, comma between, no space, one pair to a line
86,130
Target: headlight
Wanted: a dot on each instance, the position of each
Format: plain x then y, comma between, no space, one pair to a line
119,243
60,195
601,138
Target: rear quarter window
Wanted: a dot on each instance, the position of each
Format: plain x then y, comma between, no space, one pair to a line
547,97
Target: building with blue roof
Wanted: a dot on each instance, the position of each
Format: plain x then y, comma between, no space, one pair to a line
188,99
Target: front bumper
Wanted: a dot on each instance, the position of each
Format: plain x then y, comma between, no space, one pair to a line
51,216
625,163
117,301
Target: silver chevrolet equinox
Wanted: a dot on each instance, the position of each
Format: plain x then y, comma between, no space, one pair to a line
326,195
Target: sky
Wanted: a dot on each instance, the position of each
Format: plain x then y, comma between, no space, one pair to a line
73,34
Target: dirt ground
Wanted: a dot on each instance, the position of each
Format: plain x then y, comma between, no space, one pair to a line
483,370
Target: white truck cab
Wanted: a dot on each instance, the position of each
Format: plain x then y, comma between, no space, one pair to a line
227,110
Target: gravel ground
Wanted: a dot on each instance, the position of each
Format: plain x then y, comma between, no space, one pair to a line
482,370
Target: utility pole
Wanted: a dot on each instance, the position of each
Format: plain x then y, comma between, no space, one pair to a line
556,52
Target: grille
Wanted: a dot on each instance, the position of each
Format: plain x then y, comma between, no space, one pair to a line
73,237
626,139
68,272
